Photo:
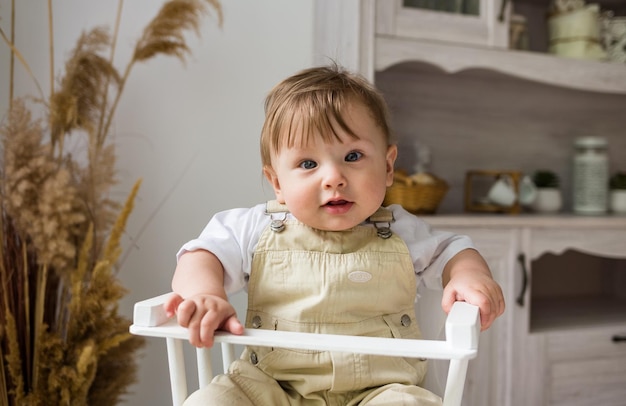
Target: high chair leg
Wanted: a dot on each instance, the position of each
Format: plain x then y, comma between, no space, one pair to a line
178,376
205,370
456,382
228,355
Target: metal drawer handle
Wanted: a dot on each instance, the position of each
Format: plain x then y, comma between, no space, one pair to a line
502,9
618,339
521,258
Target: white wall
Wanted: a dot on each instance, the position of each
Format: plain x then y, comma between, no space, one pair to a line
190,132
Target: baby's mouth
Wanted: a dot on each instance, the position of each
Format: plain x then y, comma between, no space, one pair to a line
337,203
338,206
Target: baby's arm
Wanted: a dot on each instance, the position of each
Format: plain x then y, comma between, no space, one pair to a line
466,277
200,301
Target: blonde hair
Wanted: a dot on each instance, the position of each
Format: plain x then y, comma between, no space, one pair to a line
311,101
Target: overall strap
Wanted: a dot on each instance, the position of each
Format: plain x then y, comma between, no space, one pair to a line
382,215
381,219
272,206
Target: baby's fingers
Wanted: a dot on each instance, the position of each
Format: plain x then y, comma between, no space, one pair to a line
185,312
203,333
448,299
233,325
486,306
171,304
490,310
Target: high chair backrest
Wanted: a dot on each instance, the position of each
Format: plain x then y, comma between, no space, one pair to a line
462,331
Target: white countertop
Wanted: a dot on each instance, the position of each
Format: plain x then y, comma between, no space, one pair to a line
564,220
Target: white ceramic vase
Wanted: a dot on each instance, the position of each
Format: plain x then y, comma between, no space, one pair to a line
617,201
547,200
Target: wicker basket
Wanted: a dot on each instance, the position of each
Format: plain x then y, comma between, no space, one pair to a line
418,198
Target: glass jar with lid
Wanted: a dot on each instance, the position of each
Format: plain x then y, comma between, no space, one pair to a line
590,174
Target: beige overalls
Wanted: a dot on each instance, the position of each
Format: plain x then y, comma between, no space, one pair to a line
358,282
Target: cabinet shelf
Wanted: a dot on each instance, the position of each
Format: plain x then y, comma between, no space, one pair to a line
576,290
595,76
556,314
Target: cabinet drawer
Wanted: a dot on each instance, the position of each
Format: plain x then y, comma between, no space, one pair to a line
586,367
586,343
597,381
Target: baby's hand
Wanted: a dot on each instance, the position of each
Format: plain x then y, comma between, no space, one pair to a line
203,315
478,289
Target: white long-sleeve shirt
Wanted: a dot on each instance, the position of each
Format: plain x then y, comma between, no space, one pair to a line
232,236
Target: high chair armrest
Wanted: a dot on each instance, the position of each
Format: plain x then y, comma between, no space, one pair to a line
462,331
150,312
463,326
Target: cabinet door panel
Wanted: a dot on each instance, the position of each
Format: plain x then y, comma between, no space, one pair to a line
488,379
395,19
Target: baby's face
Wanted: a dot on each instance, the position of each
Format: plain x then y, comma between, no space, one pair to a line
335,186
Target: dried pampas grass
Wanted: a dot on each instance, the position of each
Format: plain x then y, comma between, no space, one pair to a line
62,339
166,33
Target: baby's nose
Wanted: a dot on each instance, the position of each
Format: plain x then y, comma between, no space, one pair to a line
334,178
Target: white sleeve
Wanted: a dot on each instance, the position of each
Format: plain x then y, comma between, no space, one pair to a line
429,249
232,236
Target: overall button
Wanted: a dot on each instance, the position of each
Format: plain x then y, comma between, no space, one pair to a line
256,322
405,320
254,358
277,226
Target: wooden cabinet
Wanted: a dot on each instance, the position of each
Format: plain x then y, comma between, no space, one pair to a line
562,338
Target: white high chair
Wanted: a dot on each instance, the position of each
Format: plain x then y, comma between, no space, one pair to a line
462,329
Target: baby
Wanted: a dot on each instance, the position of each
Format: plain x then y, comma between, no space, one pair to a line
323,257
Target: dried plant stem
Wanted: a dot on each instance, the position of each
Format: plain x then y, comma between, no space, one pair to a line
51,62
12,62
61,316
20,57
51,46
118,19
4,393
28,338
13,360
101,136
42,280
116,30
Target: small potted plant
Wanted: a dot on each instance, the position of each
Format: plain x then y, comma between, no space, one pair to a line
617,196
548,198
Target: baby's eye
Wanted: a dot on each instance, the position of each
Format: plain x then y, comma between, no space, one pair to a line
308,164
353,156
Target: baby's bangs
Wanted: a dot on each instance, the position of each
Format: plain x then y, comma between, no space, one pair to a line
310,119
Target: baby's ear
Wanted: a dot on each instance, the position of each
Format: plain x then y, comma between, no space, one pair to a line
392,154
272,178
